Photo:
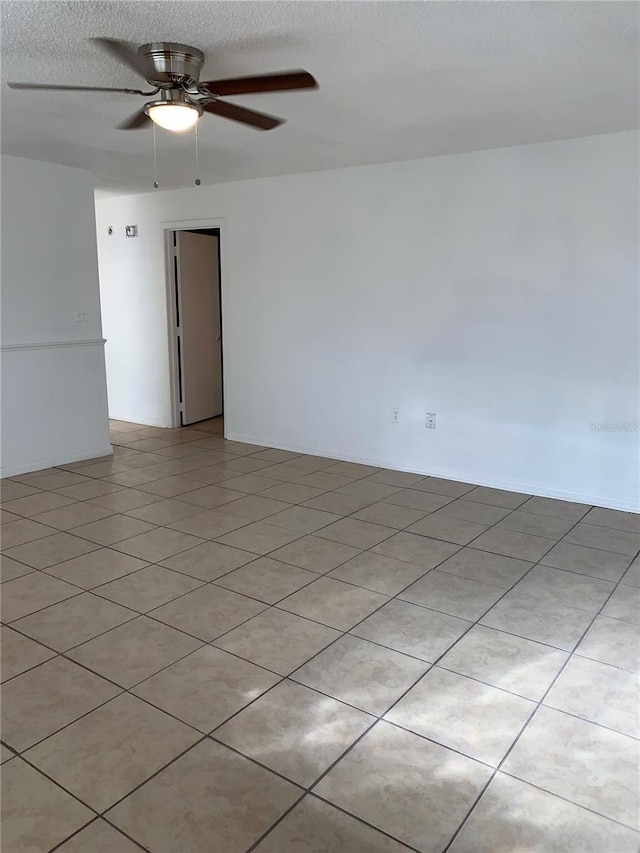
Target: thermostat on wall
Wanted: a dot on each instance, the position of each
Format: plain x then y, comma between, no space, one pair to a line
131,230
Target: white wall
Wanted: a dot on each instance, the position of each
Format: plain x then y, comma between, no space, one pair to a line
54,407
498,289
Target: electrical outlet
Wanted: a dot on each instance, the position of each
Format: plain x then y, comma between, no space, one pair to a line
82,316
430,420
395,416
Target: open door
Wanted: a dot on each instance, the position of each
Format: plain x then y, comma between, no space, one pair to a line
198,326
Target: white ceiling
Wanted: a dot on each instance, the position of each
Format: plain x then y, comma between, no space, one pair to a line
398,80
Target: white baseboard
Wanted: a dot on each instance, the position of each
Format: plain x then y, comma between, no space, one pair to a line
137,419
53,461
453,474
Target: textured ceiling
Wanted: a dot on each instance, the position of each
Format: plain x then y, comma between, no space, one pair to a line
397,81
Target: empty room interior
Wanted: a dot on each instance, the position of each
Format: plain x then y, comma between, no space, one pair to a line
320,448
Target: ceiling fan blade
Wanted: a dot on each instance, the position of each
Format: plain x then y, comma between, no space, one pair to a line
261,121
52,87
136,121
125,53
281,81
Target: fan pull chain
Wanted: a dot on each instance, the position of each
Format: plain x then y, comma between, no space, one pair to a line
197,180
155,159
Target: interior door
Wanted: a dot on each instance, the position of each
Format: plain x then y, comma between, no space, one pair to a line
199,330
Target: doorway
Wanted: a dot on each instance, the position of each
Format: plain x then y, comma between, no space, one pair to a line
195,324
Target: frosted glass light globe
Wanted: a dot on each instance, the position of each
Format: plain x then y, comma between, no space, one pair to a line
176,117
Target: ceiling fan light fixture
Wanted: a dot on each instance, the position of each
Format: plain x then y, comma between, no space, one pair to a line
173,71
175,117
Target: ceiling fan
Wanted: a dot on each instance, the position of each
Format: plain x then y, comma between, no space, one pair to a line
173,71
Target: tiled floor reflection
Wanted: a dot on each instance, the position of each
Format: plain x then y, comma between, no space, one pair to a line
215,647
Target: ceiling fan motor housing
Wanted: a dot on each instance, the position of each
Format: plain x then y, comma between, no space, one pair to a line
170,63
174,96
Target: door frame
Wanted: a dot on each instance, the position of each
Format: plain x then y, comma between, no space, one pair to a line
174,380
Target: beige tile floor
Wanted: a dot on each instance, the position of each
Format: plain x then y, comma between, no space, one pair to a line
213,647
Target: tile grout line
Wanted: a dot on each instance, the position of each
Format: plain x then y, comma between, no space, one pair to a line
264,519
379,718
395,597
101,814
308,793
325,574
135,571
95,820
345,633
127,690
496,769
284,815
539,704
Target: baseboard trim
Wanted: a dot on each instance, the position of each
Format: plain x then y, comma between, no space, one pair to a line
54,461
452,474
137,419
